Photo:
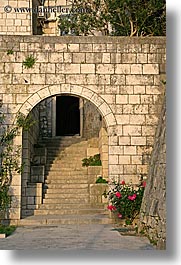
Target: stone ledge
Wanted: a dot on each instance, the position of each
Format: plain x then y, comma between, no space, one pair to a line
83,39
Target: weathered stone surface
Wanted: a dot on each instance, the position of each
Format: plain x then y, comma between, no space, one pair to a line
153,210
118,76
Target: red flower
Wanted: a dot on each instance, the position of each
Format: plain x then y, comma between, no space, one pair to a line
144,184
118,194
120,215
132,197
111,207
123,182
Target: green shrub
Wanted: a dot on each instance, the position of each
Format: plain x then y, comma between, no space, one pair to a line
101,180
10,52
29,61
125,200
92,161
8,230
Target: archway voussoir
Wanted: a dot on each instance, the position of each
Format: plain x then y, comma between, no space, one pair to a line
98,101
87,93
65,88
77,90
105,109
54,90
43,93
33,100
110,119
26,108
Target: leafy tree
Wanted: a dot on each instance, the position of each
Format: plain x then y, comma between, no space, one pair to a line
115,17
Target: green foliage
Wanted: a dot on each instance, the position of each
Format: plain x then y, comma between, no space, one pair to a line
29,61
125,200
118,17
8,230
101,180
10,52
9,156
82,23
4,196
24,122
92,161
138,18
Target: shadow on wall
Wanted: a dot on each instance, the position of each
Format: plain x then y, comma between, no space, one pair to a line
153,210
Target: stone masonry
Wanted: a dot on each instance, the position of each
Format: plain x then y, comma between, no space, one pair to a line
122,77
153,211
15,23
17,17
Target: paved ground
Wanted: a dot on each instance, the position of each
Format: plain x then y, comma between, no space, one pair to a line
73,237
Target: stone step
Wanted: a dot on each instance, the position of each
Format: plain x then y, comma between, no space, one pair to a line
65,191
65,171
60,174
66,166
62,140
53,192
68,161
67,155
76,186
65,219
59,200
61,180
66,145
55,206
63,160
68,211
67,150
68,195
65,181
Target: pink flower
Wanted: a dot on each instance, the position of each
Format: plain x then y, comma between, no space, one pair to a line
120,215
123,182
132,197
144,184
118,194
111,207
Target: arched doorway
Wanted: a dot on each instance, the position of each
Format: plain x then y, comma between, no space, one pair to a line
35,175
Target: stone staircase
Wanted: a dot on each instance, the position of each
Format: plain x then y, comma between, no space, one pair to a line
66,195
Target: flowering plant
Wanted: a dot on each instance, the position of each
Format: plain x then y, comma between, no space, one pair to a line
125,200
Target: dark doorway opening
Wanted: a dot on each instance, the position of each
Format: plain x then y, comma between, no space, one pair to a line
67,116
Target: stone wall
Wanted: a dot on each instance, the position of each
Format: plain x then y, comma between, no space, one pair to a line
103,150
91,120
153,211
13,22
29,138
120,76
19,19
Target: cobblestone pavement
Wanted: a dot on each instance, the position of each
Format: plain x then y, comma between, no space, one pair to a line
73,237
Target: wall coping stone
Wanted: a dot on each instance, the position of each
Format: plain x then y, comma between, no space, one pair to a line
83,39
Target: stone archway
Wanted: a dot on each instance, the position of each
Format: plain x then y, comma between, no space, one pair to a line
69,90
76,90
